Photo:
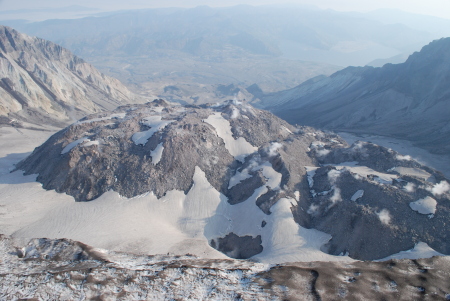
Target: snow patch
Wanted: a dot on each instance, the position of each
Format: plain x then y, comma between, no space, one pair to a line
410,187
238,178
156,154
424,206
364,171
235,113
238,148
359,194
440,188
384,216
272,150
90,143
420,250
71,145
310,173
113,116
283,238
333,175
273,178
336,197
155,123
416,172
313,209
403,158
286,129
323,152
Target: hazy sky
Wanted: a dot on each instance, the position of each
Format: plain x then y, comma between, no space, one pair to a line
440,8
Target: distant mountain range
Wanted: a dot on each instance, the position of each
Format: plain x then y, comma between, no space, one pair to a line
276,47
300,33
409,100
42,83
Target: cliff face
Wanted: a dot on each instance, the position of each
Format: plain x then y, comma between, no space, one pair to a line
43,83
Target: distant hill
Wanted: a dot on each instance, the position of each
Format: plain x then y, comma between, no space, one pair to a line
42,83
409,100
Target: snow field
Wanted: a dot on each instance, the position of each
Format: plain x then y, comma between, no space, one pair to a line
176,223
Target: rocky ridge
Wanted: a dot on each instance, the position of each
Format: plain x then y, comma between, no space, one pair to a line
42,83
257,170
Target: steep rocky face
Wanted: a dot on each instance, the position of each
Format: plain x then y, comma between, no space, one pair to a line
43,83
245,174
409,100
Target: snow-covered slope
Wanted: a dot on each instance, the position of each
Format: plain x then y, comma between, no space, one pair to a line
43,83
230,178
408,100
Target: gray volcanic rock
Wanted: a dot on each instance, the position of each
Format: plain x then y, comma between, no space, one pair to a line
362,196
353,192
43,83
247,246
100,153
408,100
